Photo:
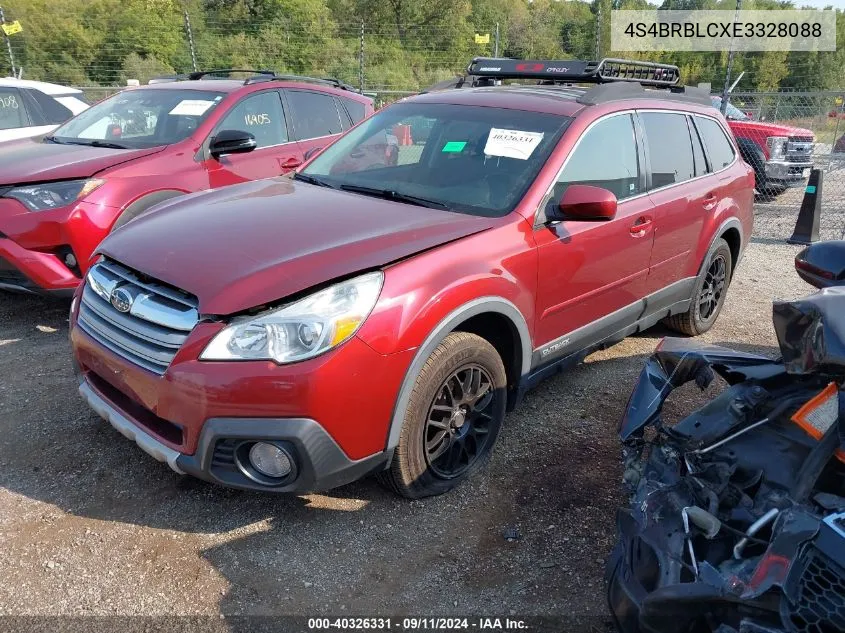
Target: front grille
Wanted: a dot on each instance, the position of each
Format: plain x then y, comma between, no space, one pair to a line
801,139
799,149
153,320
819,597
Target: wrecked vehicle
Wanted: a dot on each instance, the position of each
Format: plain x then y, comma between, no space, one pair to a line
737,515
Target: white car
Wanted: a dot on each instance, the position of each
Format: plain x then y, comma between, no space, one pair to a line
31,108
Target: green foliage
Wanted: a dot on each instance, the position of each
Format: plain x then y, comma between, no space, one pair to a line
408,44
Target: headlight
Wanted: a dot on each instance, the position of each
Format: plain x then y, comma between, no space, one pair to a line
777,146
52,195
301,330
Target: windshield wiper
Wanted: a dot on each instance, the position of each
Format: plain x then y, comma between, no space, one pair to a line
95,143
389,194
52,139
311,180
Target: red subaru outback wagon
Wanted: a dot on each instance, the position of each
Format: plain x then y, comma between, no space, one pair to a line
61,195
295,334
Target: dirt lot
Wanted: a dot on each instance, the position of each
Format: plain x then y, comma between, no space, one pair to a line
90,525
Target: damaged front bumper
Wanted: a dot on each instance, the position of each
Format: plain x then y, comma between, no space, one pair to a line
734,509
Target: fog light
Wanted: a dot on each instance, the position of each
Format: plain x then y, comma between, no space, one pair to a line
270,460
70,260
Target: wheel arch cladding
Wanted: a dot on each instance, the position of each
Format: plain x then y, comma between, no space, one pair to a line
734,239
494,316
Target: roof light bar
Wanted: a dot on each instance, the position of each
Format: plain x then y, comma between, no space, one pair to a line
576,70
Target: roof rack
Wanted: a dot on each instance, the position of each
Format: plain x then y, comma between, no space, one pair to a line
576,71
200,74
266,75
337,83
604,93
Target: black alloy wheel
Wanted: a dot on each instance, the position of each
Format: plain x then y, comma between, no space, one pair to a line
457,429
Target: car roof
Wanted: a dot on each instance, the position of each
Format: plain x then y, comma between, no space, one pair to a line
47,88
558,99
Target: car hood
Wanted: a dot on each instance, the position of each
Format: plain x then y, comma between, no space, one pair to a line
35,160
247,245
762,129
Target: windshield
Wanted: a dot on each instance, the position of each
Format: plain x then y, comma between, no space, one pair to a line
139,119
470,159
731,112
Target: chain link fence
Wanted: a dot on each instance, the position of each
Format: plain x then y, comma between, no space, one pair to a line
781,134
785,134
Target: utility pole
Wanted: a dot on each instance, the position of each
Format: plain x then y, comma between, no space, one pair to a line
496,42
598,33
726,92
8,45
361,61
190,34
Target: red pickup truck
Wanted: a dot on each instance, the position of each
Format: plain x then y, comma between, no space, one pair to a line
781,155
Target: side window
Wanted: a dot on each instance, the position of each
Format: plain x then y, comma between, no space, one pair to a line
355,109
54,112
12,112
261,115
697,149
314,114
669,148
606,157
719,148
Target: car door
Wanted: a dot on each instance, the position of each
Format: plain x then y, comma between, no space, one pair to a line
682,196
316,120
262,115
592,274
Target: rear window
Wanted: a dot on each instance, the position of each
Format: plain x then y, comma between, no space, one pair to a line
719,148
314,114
669,148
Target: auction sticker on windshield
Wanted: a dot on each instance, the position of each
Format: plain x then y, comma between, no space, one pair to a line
192,107
512,143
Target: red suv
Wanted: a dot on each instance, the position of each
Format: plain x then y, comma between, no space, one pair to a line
62,194
298,333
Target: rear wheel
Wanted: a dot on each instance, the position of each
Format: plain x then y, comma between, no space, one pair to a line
711,288
452,419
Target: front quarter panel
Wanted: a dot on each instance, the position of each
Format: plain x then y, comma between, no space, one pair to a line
422,291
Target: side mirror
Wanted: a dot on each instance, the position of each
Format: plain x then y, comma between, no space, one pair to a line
822,264
585,203
311,152
231,142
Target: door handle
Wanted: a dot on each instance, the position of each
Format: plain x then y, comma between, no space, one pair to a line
291,163
641,226
710,201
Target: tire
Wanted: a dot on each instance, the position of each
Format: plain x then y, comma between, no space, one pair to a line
709,295
417,470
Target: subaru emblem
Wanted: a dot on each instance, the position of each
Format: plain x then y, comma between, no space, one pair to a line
121,299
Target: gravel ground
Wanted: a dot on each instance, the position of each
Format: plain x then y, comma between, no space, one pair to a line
90,525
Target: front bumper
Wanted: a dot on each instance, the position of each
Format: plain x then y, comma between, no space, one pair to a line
334,411
23,270
33,245
320,463
787,173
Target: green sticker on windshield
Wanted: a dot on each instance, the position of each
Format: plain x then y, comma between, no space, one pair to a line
454,146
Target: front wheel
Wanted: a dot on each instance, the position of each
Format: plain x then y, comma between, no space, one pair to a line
452,420
711,288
